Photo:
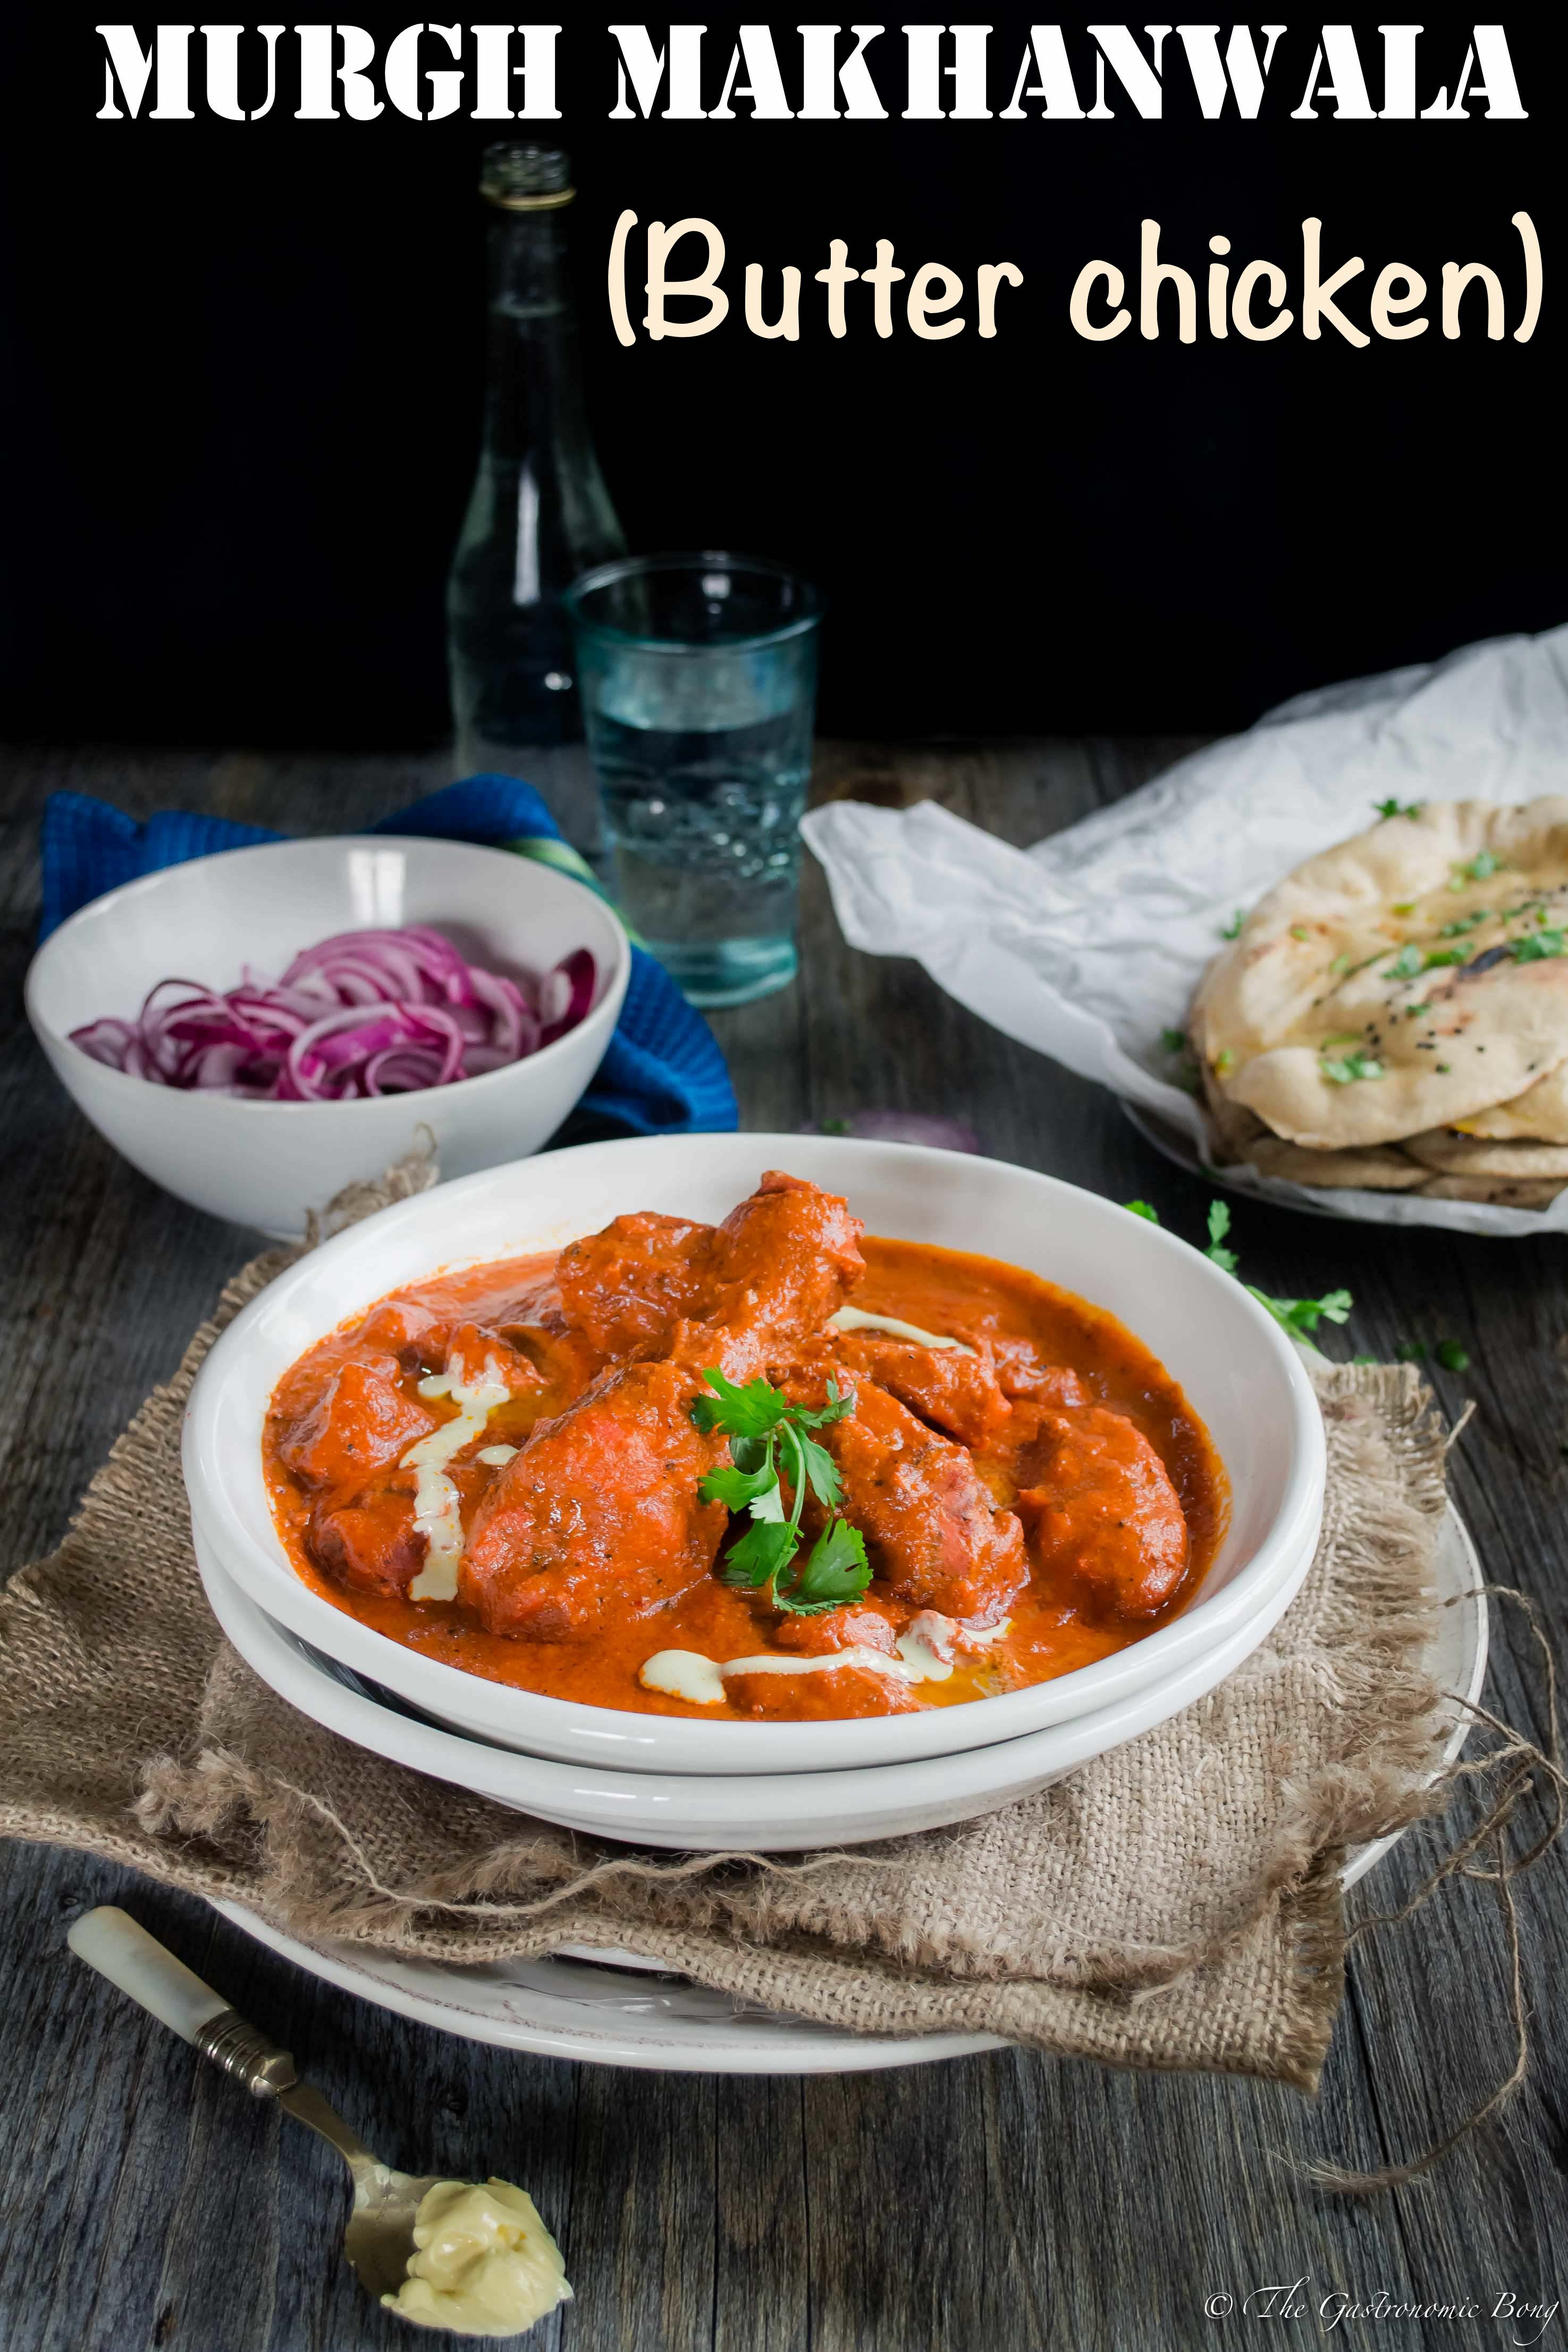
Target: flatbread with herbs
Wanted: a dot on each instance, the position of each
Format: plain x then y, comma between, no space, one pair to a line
1411,979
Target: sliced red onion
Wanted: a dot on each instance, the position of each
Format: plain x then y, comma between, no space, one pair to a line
364,1013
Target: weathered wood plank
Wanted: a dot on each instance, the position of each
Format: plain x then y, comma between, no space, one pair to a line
1006,2201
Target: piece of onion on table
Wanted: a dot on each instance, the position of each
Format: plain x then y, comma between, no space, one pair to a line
773,1468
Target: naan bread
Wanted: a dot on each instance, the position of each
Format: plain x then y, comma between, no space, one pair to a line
1307,1018
1540,1114
1377,1170
1465,1155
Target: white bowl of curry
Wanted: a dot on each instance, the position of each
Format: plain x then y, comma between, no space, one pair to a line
752,1453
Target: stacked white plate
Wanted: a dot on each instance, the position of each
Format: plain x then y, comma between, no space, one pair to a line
674,1782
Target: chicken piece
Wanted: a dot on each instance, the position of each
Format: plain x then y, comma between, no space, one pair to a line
953,1392
358,1422
847,1691
932,1533
783,1262
1022,1371
370,1544
849,1627
597,1519
475,1353
401,1327
1100,1509
625,1288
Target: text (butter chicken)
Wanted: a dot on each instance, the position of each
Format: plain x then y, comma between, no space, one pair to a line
775,1468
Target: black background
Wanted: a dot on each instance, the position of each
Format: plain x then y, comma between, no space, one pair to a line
244,362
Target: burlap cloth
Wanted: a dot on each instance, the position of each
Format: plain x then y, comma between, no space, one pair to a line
1176,1904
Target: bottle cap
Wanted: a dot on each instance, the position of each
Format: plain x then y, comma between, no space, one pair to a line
521,179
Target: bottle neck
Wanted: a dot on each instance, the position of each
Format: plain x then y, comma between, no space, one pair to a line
534,387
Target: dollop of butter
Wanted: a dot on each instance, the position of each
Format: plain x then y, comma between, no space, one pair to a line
484,2262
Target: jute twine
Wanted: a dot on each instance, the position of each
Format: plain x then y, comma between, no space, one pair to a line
1176,1904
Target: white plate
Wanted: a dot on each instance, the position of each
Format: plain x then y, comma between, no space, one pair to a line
777,1812
1238,1370
617,2010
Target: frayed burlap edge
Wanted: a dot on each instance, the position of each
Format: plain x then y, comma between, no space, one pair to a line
1258,1994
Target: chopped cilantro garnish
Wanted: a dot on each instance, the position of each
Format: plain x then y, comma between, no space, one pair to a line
766,1432
1464,923
1344,1070
834,1126
1232,931
1411,1352
1451,1356
1339,966
1536,947
1299,1317
1444,1066
1436,957
1219,1225
1411,1011
1400,907
1481,866
1406,964
1224,1062
1174,1041
1397,808
1300,931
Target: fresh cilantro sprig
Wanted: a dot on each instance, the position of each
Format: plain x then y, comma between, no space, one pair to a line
1298,1317
770,1440
1385,809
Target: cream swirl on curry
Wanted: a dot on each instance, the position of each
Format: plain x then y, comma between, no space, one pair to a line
773,1468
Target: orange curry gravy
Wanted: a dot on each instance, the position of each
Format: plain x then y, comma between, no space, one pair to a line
1053,1480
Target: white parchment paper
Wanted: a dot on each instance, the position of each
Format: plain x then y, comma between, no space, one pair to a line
1088,945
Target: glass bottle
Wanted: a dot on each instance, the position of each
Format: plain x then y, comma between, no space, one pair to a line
539,514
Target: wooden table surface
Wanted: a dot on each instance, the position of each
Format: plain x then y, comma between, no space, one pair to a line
998,2203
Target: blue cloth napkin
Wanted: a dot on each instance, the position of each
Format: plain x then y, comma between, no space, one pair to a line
662,1074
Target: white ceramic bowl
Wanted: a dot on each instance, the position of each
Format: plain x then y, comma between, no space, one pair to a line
268,1164
1240,1373
719,1812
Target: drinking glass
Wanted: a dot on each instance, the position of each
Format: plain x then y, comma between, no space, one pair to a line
698,675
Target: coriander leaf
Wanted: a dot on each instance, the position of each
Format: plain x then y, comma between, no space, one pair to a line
1232,929
1464,923
1397,808
1536,946
1346,1070
1301,1317
1410,1352
821,1472
1451,1356
1219,1225
835,1125
739,1490
1223,1062
751,1453
835,1570
839,1403
1406,964
1411,1011
761,1553
1143,1209
1174,1041
749,1411
1300,931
